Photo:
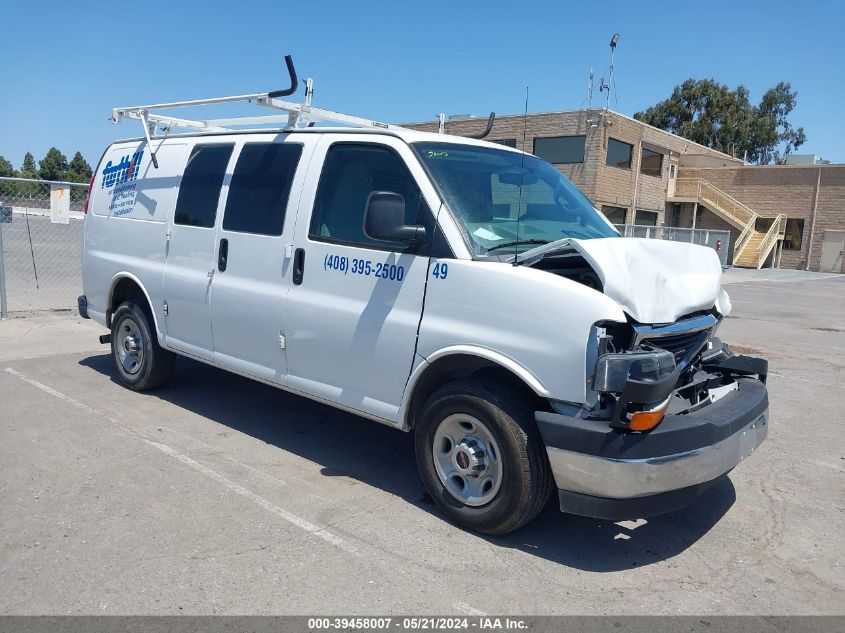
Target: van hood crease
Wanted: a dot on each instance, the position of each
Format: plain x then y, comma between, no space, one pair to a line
654,281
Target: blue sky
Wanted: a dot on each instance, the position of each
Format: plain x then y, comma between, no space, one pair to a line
65,65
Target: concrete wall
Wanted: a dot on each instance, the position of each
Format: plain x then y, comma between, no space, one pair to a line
789,189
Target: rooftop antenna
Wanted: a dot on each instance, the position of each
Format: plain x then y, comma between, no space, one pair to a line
590,90
611,78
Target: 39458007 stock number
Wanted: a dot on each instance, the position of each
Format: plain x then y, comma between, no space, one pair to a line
364,267
346,624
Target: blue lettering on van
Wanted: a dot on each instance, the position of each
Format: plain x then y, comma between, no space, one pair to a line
363,267
125,171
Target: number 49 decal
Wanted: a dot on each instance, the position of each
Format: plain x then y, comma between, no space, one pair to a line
440,271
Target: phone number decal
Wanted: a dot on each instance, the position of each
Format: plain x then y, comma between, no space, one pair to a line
363,267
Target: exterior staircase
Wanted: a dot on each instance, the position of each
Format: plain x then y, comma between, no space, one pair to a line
749,258
752,247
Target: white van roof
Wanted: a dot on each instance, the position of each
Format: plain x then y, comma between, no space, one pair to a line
406,134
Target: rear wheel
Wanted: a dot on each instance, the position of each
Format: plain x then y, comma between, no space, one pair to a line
141,362
481,457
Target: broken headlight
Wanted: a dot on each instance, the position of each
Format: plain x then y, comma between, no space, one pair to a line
614,370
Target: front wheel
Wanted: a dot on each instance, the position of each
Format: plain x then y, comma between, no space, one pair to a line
141,362
481,457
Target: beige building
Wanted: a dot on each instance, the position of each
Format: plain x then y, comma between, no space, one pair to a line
792,216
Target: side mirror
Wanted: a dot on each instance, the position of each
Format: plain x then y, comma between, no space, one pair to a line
384,219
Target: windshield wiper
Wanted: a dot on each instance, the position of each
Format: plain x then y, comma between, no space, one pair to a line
516,243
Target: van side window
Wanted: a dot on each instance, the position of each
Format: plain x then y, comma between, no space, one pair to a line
350,173
202,180
260,187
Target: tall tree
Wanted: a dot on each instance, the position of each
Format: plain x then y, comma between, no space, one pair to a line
53,166
28,169
78,170
712,114
6,168
773,133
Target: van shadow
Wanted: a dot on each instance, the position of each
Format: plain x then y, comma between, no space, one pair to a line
347,445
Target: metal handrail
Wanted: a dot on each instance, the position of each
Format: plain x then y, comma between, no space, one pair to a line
776,231
744,238
724,202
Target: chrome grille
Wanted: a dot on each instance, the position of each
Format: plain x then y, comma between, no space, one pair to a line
684,338
683,346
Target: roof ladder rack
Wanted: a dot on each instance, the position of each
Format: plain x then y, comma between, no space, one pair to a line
296,114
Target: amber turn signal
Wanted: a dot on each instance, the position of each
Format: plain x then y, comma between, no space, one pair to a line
647,420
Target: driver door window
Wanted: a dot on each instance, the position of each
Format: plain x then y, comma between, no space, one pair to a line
350,173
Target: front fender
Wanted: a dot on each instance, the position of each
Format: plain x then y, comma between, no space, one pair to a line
533,322
464,350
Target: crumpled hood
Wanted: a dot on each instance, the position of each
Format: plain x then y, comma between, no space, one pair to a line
655,281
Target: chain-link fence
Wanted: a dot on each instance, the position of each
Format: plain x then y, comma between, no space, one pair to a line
715,239
40,257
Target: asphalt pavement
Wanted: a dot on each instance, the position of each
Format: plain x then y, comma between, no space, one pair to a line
220,495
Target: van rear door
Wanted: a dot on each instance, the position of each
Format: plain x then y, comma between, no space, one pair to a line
252,276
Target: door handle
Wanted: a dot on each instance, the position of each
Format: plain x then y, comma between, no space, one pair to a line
222,254
298,266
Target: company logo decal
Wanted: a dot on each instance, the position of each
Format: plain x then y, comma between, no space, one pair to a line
120,181
126,170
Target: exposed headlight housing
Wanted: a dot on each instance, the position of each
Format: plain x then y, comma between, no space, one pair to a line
613,371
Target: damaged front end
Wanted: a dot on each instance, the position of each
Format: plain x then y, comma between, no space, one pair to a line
668,409
665,359
644,372
673,411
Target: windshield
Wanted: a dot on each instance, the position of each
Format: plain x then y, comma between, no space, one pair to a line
482,188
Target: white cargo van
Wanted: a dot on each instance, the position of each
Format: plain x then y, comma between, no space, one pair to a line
445,286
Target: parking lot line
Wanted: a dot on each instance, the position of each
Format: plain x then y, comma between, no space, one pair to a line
257,499
49,390
468,609
291,518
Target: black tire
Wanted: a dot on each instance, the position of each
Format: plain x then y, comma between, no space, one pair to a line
526,480
154,365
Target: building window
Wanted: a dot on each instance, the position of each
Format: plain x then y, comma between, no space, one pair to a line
645,218
616,215
619,154
510,142
673,170
651,163
560,150
794,233
762,225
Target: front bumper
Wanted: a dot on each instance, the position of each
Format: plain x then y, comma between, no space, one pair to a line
607,473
